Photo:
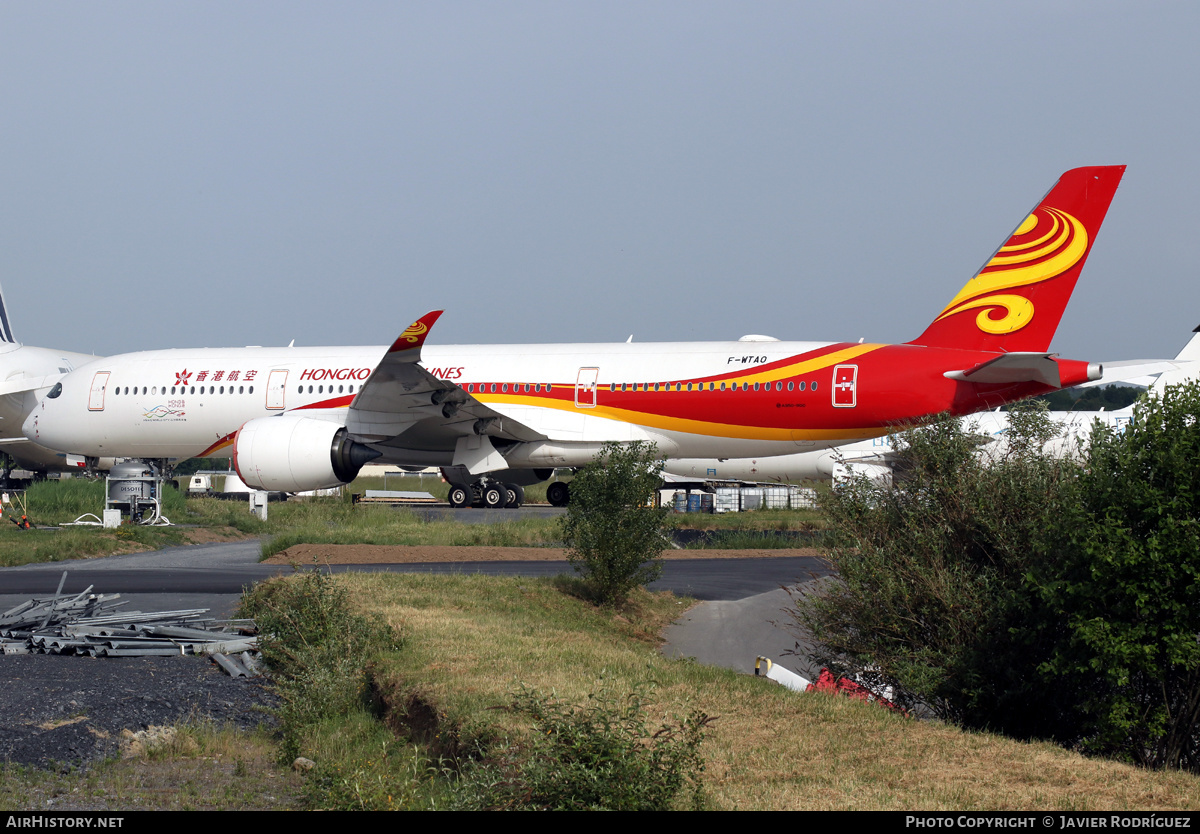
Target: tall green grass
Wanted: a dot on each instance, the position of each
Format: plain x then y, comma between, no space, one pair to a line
61,501
333,522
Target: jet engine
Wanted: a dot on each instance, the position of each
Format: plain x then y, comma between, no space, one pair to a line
294,452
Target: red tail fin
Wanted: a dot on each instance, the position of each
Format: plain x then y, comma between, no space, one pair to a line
1015,302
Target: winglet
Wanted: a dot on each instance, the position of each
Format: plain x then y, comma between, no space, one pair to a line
414,336
1015,302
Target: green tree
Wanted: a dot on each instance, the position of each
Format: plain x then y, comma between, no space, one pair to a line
1120,591
1030,595
930,574
612,528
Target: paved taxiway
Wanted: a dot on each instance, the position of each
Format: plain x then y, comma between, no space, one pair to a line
742,598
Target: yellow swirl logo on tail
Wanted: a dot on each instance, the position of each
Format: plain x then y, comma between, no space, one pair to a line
415,332
1045,245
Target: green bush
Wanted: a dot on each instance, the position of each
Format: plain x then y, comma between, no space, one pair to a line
317,648
605,755
930,573
1031,595
612,529
1120,590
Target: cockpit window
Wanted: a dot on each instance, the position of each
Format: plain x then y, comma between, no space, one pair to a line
55,391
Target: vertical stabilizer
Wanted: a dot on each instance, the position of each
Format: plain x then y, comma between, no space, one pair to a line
6,336
1016,301
1191,351
1188,369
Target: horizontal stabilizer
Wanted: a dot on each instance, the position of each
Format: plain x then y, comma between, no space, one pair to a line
1008,368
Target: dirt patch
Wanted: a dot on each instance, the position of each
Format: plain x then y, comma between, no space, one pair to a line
208,535
380,554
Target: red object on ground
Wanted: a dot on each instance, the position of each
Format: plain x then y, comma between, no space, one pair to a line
826,682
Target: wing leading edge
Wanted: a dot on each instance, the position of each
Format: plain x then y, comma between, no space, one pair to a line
403,406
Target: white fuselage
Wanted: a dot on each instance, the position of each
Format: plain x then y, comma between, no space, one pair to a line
184,403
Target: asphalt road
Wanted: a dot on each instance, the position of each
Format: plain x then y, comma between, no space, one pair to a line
742,598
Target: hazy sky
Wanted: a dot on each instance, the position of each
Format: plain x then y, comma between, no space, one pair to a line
189,174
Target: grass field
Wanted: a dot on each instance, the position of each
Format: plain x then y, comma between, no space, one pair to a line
317,521
471,642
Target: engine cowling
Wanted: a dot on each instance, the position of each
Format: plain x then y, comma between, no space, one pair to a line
294,453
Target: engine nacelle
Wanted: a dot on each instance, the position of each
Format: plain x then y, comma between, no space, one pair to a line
294,453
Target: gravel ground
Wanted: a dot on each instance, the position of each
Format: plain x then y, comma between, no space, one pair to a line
64,711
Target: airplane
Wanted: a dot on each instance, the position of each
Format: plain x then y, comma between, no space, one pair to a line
873,458
26,374
500,417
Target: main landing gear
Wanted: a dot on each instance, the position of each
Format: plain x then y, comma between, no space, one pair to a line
487,493
558,494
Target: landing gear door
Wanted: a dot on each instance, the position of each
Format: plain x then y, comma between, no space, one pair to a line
96,394
276,385
585,387
845,386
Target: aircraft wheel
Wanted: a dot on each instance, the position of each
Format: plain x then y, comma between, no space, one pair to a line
516,496
558,494
494,495
460,496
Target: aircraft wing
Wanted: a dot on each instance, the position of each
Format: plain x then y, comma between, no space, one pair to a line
403,406
22,384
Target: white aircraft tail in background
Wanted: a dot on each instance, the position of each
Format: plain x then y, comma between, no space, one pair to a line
26,374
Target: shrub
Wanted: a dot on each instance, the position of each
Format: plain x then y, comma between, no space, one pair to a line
604,755
930,574
1030,595
1120,590
612,530
317,648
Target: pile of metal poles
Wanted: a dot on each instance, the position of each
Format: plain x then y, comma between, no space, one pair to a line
90,624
